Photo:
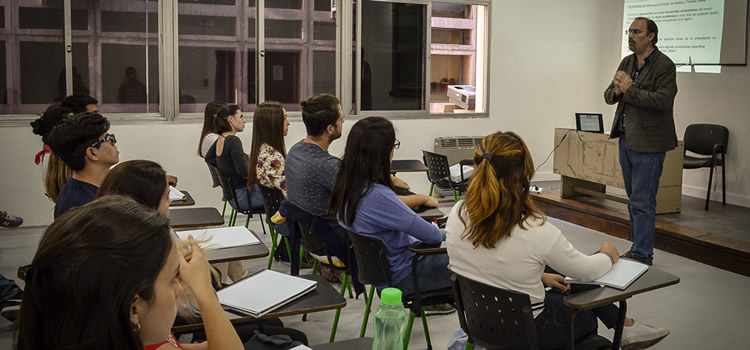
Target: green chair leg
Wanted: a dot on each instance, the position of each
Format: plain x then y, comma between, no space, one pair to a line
344,284
273,247
407,335
469,346
247,221
289,249
223,211
368,303
349,288
426,330
456,197
315,267
432,186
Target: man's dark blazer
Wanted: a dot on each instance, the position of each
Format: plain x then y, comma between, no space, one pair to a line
648,105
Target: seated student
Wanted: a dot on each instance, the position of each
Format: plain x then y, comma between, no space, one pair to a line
227,155
54,171
81,103
268,152
365,203
107,276
146,182
82,142
498,226
209,135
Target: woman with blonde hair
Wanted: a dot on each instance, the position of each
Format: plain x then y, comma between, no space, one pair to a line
55,172
497,236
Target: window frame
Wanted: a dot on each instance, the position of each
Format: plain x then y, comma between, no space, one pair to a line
347,63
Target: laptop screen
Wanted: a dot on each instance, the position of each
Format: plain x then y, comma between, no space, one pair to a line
591,122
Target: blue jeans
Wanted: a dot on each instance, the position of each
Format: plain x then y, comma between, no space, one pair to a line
433,274
641,172
255,199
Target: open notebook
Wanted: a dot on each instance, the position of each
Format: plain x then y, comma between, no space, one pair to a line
176,195
623,273
221,237
263,292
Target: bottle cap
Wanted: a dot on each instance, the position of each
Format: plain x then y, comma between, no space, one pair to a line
391,296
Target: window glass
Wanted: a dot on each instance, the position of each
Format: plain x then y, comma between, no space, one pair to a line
43,71
324,72
119,21
207,25
393,42
281,28
3,76
324,31
284,4
124,78
207,74
283,77
457,74
50,18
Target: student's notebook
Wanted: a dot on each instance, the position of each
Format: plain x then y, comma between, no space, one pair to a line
176,195
263,292
222,237
623,273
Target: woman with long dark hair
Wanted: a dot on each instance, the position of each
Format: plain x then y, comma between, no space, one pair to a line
365,203
497,236
227,155
268,151
107,275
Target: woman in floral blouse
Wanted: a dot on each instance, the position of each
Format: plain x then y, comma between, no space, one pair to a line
268,150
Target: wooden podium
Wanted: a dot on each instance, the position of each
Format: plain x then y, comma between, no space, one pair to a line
588,162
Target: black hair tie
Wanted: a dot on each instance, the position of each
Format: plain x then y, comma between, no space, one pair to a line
33,275
487,155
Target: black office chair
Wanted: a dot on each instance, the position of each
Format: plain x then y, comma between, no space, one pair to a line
227,187
438,172
272,198
707,139
496,318
373,268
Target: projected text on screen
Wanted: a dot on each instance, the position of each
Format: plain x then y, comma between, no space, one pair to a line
690,31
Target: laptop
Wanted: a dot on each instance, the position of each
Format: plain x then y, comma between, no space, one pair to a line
591,122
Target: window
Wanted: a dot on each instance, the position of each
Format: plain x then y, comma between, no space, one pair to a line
386,57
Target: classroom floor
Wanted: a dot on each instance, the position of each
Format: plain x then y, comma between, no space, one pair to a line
706,310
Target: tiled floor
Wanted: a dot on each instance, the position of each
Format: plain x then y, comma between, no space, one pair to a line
706,310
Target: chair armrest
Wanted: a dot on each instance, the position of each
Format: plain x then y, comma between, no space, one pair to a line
469,162
421,248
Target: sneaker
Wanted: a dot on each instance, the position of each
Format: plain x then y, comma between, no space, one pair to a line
641,336
439,309
10,220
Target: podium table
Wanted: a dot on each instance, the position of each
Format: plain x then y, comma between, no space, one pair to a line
588,162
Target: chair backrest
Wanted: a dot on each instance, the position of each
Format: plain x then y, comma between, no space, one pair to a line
437,166
372,262
494,318
226,189
272,198
701,138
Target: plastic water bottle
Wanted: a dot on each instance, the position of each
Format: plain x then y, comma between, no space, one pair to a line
390,321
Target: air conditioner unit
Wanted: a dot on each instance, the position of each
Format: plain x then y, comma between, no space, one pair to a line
457,148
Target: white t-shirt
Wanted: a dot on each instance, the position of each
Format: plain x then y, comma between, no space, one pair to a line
517,262
207,142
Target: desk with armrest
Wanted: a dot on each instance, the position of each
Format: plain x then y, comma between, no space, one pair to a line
654,278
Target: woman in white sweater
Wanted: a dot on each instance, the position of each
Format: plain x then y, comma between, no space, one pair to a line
497,236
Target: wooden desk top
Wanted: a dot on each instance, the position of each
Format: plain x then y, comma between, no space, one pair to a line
351,344
654,278
185,202
324,297
407,165
194,218
237,253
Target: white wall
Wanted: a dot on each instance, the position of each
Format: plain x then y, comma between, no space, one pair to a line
545,66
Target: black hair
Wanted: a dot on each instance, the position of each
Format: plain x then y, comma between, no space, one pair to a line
142,180
208,122
71,137
78,103
220,118
49,119
90,265
318,112
367,160
650,28
268,128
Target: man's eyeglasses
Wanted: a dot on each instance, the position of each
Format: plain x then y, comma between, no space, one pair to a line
633,31
397,144
108,138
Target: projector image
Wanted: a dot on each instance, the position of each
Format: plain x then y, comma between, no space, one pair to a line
463,96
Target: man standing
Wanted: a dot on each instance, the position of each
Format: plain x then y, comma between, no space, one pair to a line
644,88
82,142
